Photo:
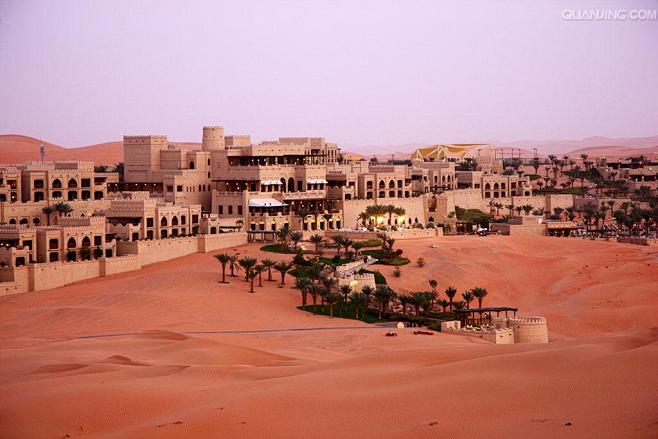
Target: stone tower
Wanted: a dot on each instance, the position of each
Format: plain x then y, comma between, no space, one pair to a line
213,138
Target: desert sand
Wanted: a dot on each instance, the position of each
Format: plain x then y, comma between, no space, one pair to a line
169,371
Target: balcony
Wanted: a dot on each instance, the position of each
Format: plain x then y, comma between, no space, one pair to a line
304,195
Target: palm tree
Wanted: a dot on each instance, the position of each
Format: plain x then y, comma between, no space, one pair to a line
418,300
433,284
48,210
479,294
518,210
295,237
383,294
233,264
399,211
468,298
302,284
63,209
498,206
368,291
404,301
268,264
527,208
247,263
302,214
345,290
283,234
283,267
327,216
431,297
359,301
317,240
451,292
339,240
331,298
459,305
315,290
223,259
444,304
510,207
258,269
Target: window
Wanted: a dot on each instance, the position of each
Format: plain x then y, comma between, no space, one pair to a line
221,210
149,222
179,188
183,219
38,184
53,244
86,182
195,219
98,240
239,210
230,210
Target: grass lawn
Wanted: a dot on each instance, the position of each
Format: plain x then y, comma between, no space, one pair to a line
379,255
275,248
330,261
348,314
371,243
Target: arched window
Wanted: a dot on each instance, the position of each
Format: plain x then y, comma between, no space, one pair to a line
73,183
163,222
291,184
86,242
191,165
496,186
382,185
283,184
71,243
12,221
36,221
174,221
23,221
57,183
391,184
487,187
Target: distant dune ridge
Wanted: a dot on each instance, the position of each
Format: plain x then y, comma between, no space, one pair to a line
16,148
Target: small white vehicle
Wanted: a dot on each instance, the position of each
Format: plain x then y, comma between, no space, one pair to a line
482,231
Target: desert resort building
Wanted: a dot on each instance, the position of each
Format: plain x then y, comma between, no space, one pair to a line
65,221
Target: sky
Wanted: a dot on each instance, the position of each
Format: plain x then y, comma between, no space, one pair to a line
356,72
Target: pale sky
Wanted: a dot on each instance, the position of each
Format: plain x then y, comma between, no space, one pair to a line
380,72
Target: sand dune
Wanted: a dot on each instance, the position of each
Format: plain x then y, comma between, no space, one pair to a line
16,149
174,373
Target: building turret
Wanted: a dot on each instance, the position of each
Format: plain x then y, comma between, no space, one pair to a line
213,138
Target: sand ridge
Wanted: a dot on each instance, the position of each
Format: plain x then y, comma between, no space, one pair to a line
168,379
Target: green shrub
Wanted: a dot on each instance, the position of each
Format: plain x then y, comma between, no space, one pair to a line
276,248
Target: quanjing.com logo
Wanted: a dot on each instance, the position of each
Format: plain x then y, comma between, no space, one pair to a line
609,14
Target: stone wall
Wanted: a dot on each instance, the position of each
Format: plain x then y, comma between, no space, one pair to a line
160,250
55,274
131,256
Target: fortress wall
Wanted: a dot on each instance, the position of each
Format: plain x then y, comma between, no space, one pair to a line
55,274
208,243
120,264
160,250
529,329
14,280
166,249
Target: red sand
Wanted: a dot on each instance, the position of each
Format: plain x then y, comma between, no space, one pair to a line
598,373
